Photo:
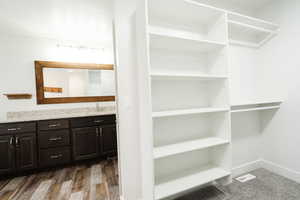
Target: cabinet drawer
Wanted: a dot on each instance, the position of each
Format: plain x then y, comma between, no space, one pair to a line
92,121
51,157
53,124
54,138
17,128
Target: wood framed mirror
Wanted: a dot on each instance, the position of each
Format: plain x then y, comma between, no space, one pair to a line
62,82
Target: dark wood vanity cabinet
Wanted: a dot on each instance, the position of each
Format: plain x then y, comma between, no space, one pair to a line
7,154
47,143
54,142
26,152
94,137
86,143
18,150
108,140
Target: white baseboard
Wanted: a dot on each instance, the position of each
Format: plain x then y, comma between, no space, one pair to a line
122,198
268,165
247,167
280,170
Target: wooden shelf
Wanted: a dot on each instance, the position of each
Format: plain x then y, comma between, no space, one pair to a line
188,180
173,149
187,112
18,96
187,76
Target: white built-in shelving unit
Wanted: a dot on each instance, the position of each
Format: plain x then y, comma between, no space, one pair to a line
185,57
190,95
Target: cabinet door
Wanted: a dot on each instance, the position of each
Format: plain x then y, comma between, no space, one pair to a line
85,143
108,140
7,154
26,153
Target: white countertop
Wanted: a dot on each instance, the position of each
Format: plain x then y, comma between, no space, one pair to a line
57,114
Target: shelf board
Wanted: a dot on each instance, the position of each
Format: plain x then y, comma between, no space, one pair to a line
251,27
252,36
187,112
173,149
186,76
252,21
161,38
188,180
255,109
258,103
243,43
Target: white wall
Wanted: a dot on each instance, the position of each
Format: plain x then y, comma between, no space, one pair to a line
281,58
17,56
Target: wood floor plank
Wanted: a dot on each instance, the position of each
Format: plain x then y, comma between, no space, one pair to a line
58,178
27,183
5,195
86,182
97,181
42,190
34,184
79,180
13,184
12,188
101,192
3,183
65,190
77,196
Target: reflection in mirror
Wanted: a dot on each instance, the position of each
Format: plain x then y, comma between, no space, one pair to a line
60,82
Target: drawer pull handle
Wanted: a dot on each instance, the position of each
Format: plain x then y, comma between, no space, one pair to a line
98,121
55,139
56,156
11,141
53,125
17,141
14,129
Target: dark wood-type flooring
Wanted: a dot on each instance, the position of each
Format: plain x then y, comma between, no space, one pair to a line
92,181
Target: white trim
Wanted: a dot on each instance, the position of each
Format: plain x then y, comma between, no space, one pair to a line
122,198
247,167
268,165
281,170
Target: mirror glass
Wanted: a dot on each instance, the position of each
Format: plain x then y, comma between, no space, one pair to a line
60,82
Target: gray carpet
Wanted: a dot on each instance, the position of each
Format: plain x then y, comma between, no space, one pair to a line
267,186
